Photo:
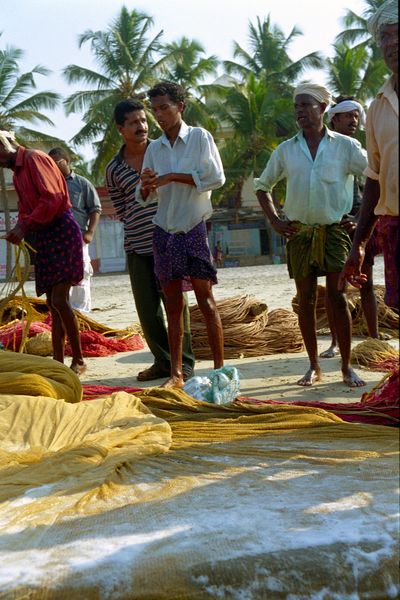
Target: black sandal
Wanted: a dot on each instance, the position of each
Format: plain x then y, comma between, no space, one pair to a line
153,372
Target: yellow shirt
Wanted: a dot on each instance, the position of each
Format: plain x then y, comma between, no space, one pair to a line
383,148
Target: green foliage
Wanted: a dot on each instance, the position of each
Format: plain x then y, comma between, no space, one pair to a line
19,102
357,69
127,68
257,111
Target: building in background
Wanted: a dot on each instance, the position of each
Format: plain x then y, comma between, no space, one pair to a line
245,236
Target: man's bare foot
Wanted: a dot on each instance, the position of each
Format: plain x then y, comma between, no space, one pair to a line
173,381
331,352
79,367
351,378
310,377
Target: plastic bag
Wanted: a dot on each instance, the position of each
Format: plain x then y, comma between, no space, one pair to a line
198,387
220,387
225,385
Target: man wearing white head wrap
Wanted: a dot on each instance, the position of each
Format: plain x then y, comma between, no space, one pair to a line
345,117
319,92
347,106
7,138
387,14
381,193
319,166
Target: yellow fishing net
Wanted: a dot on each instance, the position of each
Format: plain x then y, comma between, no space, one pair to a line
37,376
158,496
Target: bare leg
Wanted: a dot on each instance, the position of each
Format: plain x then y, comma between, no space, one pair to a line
343,327
333,349
206,302
60,304
307,295
174,307
368,302
57,332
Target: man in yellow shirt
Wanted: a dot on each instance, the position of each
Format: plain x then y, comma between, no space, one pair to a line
381,193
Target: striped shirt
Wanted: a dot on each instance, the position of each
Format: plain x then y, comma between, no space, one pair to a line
121,181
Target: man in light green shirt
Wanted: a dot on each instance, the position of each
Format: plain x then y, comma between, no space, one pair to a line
318,165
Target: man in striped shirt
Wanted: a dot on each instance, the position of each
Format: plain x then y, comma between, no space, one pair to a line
122,177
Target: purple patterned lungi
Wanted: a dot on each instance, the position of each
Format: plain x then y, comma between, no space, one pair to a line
388,236
183,256
59,257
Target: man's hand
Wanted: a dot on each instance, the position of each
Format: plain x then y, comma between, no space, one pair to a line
15,236
148,179
284,227
352,269
349,224
88,236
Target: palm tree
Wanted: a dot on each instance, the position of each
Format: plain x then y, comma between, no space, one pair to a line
19,106
255,118
356,30
357,40
268,56
259,109
353,72
127,69
186,65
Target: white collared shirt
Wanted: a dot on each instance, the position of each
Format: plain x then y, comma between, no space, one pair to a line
318,191
180,206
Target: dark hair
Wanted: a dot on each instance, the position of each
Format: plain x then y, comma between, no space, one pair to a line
173,90
340,99
61,153
124,107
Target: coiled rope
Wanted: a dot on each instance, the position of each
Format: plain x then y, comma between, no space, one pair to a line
14,285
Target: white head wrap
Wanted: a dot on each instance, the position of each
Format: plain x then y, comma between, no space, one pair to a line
5,138
347,106
320,93
387,14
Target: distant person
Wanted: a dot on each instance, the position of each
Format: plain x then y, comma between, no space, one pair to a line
381,193
319,166
122,177
179,171
87,209
218,254
345,117
44,207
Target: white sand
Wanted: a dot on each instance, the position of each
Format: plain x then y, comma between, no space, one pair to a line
271,377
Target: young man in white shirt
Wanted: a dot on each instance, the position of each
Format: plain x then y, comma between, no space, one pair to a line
319,166
179,171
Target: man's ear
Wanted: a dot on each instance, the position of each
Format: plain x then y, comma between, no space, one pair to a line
181,106
323,107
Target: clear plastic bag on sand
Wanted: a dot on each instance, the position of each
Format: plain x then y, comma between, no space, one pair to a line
198,387
220,387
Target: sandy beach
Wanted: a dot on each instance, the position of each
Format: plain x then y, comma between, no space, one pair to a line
263,377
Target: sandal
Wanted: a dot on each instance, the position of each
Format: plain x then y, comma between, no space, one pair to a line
153,372
187,372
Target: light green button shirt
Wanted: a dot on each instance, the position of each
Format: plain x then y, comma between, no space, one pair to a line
318,191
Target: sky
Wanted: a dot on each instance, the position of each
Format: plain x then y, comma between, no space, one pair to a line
48,30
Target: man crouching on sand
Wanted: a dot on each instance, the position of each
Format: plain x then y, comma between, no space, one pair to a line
179,171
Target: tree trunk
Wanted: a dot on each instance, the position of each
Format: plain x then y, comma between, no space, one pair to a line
7,220
238,197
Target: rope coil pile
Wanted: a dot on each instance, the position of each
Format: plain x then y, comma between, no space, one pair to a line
375,355
388,319
249,329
